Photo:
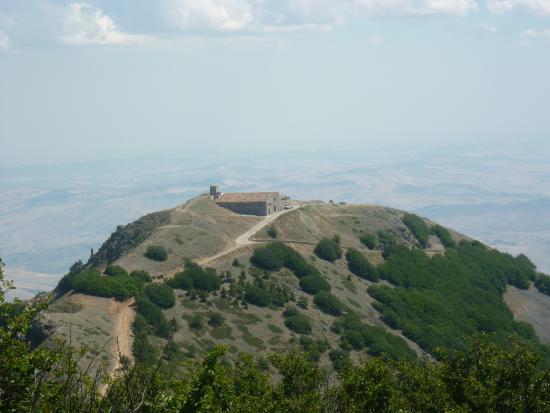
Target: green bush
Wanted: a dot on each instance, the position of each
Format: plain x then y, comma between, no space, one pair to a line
444,236
141,275
154,316
296,322
272,232
312,284
143,351
277,255
418,228
193,277
328,303
115,270
328,250
215,320
369,241
160,294
314,348
267,259
156,253
543,284
339,359
264,294
360,266
93,283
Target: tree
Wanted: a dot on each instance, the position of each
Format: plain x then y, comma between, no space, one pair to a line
160,294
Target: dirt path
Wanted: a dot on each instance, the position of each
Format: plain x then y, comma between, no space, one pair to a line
244,239
123,316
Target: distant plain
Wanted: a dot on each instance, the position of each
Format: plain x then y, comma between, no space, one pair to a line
53,215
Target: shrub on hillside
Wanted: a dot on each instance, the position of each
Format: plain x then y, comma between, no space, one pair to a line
267,259
153,315
141,275
93,283
312,284
444,236
114,271
360,266
328,303
160,294
543,284
193,277
264,294
314,348
328,249
272,232
418,227
276,255
369,241
386,242
156,253
215,320
357,336
296,322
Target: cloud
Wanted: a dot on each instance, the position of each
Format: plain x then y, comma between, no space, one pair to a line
4,41
541,7
83,24
374,39
533,34
389,8
488,28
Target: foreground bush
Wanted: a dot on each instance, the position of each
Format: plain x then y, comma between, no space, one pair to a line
328,249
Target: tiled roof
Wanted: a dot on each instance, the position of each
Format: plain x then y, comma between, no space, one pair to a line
247,197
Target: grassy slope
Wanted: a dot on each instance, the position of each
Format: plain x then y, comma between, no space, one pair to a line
199,229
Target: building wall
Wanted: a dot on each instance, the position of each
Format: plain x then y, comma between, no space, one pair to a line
261,208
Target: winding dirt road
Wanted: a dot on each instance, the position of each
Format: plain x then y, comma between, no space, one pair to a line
244,239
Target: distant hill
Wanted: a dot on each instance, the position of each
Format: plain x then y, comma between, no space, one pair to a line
391,283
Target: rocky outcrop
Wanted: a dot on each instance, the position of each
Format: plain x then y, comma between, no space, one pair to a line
127,237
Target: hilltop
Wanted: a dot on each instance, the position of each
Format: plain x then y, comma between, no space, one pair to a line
339,280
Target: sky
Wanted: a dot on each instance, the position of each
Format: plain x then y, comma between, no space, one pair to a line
100,79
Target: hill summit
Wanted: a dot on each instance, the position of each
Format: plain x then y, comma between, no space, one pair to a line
341,281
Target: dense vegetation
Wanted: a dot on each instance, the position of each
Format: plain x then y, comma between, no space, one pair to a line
277,255
193,277
119,285
543,284
160,294
418,227
444,236
328,249
369,241
358,336
484,377
314,283
328,303
360,266
156,253
439,301
296,321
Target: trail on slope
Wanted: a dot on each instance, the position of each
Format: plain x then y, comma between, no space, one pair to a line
244,239
123,316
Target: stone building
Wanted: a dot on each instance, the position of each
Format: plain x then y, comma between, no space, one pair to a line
248,203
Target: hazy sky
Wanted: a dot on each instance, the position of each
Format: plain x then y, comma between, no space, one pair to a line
103,79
